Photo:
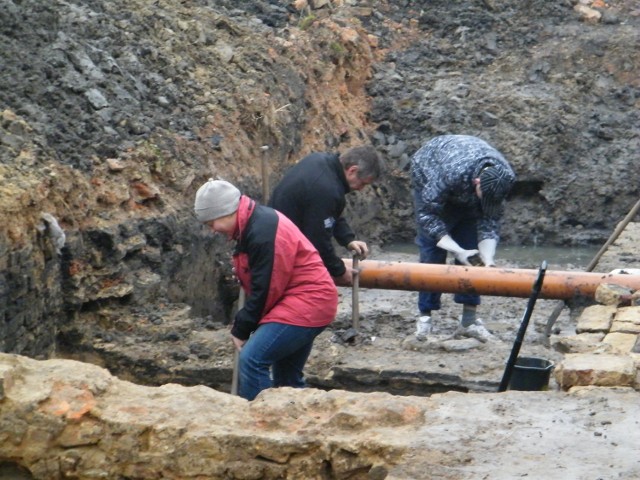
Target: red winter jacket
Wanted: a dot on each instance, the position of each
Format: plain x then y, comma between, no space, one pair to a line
280,271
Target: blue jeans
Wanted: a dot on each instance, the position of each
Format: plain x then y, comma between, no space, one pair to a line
464,232
282,348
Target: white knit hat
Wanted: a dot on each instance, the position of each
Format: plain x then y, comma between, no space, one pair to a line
215,199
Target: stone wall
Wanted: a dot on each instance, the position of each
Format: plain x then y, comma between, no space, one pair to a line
605,350
30,295
66,419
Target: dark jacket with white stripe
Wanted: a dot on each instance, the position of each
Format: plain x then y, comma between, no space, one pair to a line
312,194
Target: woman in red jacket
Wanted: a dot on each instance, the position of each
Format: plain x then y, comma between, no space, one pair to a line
290,296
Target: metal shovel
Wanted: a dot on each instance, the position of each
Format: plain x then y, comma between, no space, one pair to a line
535,291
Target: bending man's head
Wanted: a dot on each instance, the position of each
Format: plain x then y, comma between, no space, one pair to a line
362,166
495,184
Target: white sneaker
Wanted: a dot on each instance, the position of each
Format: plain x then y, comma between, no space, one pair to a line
476,330
423,327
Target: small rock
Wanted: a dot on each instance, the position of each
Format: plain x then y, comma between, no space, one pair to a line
612,294
96,99
115,165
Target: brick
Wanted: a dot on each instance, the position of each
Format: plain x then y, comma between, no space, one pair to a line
628,314
596,318
604,370
582,343
622,342
627,320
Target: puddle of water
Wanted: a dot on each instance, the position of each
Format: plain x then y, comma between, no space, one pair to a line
518,256
556,257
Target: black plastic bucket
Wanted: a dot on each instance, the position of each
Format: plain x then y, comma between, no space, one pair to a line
530,373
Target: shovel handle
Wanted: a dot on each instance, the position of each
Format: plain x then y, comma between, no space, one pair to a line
235,375
355,294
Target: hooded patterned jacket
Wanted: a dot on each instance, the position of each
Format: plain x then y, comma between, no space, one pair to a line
442,174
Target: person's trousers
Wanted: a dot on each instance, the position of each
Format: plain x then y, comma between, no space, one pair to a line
464,232
283,349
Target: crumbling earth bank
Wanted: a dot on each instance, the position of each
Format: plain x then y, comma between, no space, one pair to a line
114,112
206,84
553,90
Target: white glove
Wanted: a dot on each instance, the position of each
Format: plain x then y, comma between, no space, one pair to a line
449,244
487,248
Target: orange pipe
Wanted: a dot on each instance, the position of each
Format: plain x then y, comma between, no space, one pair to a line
500,282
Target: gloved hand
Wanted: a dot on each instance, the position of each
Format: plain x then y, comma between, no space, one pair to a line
487,249
449,244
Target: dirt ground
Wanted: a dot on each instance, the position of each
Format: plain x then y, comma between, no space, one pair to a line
386,343
165,343
386,355
115,111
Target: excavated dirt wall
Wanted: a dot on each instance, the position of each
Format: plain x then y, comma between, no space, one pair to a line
114,113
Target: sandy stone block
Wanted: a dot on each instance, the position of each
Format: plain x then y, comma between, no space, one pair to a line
628,314
362,11
374,42
600,370
587,14
622,342
625,327
611,294
636,359
596,318
583,343
627,320
318,3
300,4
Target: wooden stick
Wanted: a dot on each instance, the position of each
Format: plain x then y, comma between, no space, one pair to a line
355,301
265,175
236,353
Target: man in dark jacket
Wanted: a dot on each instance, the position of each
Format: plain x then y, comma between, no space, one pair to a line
459,185
312,194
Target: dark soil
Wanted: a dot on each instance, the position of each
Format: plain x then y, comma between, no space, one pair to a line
112,113
557,94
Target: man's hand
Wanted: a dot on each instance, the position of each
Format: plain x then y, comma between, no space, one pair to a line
346,279
238,343
360,248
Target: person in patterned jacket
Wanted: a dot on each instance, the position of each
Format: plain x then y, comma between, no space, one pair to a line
459,185
290,296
